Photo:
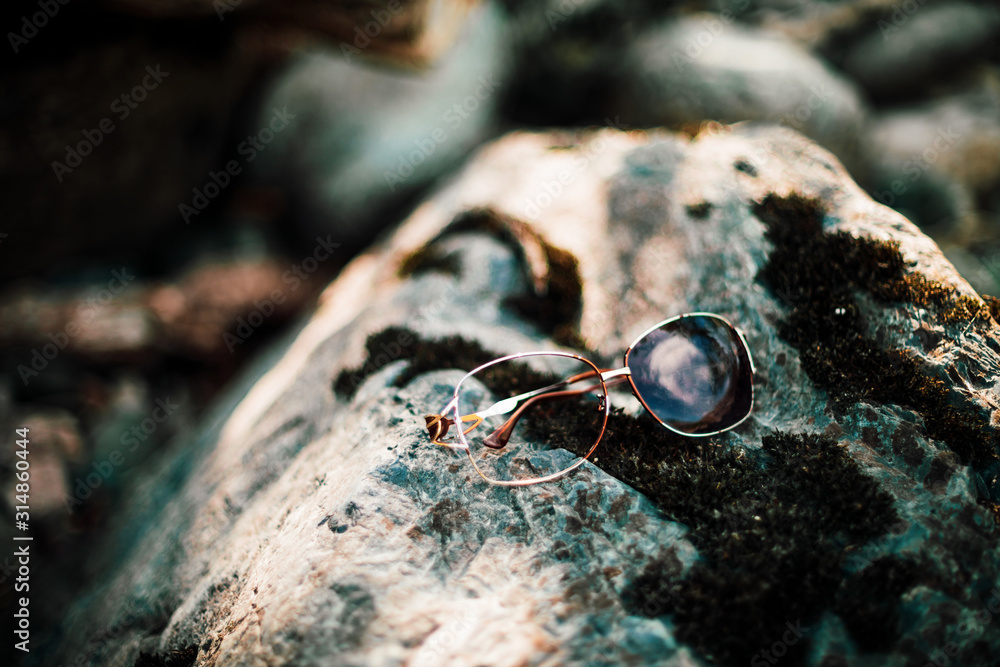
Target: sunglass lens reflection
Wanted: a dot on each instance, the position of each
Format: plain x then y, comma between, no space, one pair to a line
693,374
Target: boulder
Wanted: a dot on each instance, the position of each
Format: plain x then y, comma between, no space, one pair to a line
128,121
851,520
952,142
710,66
368,139
918,42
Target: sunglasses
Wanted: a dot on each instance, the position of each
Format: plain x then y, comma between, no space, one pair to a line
533,417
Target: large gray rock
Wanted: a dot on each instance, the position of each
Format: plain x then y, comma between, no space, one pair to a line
851,520
710,66
367,137
916,42
118,112
951,142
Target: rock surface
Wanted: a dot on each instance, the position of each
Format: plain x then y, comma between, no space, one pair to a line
918,43
851,520
711,67
368,139
120,111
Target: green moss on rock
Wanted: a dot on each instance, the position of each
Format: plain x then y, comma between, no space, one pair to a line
993,304
859,602
184,657
772,541
396,343
818,275
430,258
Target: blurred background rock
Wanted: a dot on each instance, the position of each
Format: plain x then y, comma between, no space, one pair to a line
338,117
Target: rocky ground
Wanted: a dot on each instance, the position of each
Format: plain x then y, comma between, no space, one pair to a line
852,520
120,336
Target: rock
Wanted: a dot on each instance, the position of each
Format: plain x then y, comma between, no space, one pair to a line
852,519
403,31
209,310
569,55
367,139
122,111
935,159
917,43
711,67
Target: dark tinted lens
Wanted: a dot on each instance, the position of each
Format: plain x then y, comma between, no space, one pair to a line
693,374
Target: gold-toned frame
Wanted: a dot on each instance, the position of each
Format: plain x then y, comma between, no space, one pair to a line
439,424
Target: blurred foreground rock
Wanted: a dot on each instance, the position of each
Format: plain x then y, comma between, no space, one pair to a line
851,520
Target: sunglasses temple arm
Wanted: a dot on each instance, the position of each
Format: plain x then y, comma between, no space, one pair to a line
498,438
508,404
511,403
616,376
438,424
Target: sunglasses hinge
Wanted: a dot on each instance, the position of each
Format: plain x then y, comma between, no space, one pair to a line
618,372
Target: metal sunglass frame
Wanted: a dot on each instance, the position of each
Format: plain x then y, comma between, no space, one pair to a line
439,424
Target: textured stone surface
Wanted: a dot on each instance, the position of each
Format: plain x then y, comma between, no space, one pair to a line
310,526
